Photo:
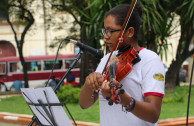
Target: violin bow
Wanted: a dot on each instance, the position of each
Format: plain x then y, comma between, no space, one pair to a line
114,97
120,38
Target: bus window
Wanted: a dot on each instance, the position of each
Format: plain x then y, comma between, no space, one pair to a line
68,63
48,64
34,66
2,68
15,67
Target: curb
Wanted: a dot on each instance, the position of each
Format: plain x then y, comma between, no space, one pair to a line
15,118
26,119
11,93
176,122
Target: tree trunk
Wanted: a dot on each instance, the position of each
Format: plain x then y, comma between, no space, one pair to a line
28,18
182,53
84,59
24,65
172,76
151,41
19,45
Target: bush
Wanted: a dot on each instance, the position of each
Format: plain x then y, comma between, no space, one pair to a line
177,95
68,94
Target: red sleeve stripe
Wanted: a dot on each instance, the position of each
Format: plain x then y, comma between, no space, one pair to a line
153,93
141,49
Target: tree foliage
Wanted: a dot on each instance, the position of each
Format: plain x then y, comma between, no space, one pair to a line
90,16
156,26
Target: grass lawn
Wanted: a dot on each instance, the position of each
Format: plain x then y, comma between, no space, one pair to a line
178,109
175,105
17,104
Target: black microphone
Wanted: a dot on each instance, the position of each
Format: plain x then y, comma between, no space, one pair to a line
96,52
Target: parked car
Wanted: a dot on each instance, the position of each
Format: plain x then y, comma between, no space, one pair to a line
182,73
165,68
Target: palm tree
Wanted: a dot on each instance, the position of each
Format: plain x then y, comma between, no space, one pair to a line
92,13
90,17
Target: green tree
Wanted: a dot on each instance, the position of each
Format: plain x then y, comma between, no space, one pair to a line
90,16
157,26
92,21
17,12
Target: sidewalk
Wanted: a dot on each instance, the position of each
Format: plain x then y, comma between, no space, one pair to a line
26,119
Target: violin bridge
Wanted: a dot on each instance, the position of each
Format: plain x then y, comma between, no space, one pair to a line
113,59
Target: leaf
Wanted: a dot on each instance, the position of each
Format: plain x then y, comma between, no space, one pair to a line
83,13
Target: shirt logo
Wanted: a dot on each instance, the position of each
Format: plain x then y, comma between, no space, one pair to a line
159,77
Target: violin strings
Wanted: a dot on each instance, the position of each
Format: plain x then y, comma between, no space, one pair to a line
129,16
107,72
105,69
127,21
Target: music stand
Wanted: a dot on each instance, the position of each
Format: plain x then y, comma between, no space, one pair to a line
45,105
39,102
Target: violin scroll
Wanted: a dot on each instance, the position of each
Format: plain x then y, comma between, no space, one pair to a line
114,97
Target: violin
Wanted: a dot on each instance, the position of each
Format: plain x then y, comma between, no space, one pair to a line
118,70
118,66
126,58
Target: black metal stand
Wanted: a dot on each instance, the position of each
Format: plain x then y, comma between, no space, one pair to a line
34,118
48,113
187,121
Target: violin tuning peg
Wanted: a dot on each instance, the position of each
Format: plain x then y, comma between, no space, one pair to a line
96,92
110,102
120,86
108,97
121,91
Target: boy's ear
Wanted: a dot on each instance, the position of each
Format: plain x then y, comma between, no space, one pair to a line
131,32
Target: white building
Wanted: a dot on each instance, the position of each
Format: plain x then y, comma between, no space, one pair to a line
38,38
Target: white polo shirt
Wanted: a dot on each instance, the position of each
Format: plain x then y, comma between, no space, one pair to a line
145,78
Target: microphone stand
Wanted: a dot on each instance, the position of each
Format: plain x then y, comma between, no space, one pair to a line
69,69
78,56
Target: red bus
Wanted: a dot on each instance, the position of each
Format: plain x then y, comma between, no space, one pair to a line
39,68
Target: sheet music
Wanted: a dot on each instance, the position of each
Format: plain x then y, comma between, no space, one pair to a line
58,112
